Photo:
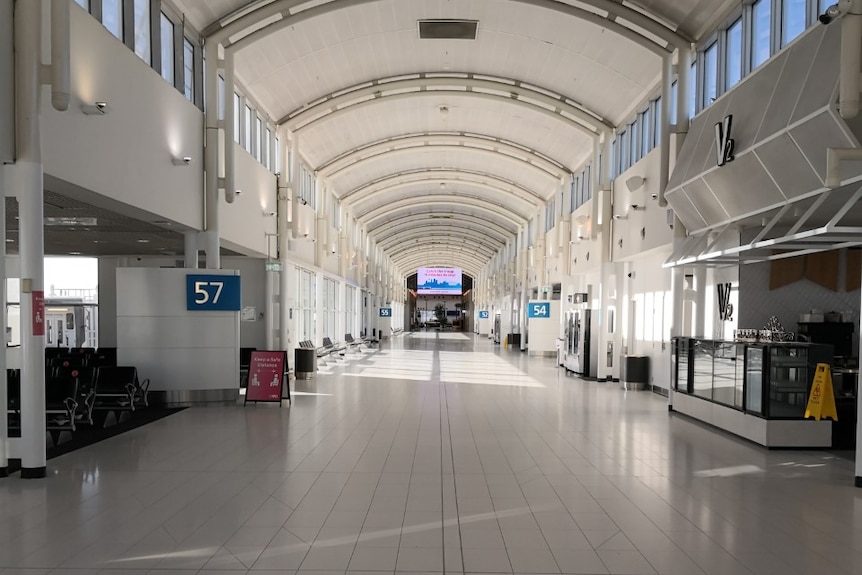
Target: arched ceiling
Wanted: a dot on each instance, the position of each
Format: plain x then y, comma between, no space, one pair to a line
461,139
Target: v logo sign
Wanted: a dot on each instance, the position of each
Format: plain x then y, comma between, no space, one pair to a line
723,142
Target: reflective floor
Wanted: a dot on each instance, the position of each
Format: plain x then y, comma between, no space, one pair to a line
438,453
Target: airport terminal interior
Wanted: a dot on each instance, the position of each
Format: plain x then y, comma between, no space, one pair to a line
431,286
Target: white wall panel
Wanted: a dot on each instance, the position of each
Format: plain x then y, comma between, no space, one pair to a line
176,348
126,154
243,225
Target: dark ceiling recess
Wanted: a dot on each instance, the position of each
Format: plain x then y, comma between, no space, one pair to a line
448,29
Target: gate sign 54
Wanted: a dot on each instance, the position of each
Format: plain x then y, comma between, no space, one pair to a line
538,309
212,293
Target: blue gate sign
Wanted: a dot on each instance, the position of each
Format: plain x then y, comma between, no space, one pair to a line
386,312
212,293
484,315
539,309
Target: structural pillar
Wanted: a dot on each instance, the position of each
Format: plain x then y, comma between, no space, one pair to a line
29,190
4,417
700,301
211,157
190,251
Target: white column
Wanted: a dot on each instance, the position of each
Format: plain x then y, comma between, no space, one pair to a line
682,96
700,301
29,190
190,251
284,217
4,418
664,141
210,235
269,308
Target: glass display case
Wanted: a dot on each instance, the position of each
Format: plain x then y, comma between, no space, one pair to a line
769,379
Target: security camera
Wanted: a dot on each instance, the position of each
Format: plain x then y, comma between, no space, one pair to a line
654,196
187,160
831,14
238,192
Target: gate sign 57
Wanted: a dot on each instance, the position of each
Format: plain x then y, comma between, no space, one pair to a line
539,309
212,293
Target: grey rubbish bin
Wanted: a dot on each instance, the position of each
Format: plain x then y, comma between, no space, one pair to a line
304,362
635,376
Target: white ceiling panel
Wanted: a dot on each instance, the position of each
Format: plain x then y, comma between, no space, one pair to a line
603,71
585,62
430,158
386,119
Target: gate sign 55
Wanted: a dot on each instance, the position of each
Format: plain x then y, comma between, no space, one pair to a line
483,315
539,309
212,293
386,312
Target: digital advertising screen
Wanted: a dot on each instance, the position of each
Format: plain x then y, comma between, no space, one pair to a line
439,281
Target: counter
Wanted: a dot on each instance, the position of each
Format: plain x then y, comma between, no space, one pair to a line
756,390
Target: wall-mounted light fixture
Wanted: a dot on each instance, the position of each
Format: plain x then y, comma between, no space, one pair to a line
635,183
184,161
96,109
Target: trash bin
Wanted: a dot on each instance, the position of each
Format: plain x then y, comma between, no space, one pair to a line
635,376
304,362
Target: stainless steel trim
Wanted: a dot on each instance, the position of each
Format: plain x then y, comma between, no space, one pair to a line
185,397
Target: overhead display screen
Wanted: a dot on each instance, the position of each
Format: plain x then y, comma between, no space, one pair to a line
439,281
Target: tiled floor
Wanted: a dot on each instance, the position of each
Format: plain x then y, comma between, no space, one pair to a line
439,453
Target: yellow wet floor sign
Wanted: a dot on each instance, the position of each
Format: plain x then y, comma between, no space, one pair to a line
821,400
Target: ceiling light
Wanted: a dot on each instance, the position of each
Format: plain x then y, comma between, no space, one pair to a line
184,161
96,109
74,253
143,241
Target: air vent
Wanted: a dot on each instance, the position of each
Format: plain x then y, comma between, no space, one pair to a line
448,29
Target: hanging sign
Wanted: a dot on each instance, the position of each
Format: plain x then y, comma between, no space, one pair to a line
265,376
212,293
38,299
724,144
484,315
538,309
821,400
386,312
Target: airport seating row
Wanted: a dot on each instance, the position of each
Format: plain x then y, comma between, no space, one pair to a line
73,394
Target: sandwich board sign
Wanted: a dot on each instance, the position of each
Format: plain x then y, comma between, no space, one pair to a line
266,376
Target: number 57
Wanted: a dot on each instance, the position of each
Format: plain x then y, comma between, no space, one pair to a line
202,296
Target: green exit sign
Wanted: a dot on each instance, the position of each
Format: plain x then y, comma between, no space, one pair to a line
273,266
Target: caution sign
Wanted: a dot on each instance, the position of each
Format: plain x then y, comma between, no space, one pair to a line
821,400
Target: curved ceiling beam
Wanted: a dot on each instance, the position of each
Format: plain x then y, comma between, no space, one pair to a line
496,197
438,174
423,258
545,170
487,225
431,138
442,228
445,226
437,201
249,23
430,233
506,90
452,244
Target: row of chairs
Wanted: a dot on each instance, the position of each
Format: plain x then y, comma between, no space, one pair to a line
330,348
73,394
80,357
